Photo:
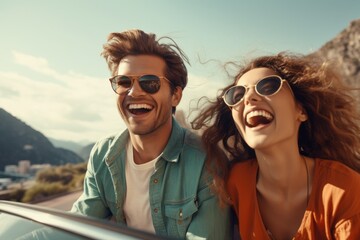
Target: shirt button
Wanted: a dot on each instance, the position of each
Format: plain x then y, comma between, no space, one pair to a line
155,210
156,180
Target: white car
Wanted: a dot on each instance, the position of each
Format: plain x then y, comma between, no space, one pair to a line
20,221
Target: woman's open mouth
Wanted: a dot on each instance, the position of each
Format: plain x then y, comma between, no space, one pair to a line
258,117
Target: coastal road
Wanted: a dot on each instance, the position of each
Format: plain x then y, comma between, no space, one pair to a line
61,203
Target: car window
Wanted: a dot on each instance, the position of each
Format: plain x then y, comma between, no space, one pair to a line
17,228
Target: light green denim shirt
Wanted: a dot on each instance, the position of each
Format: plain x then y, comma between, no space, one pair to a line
181,203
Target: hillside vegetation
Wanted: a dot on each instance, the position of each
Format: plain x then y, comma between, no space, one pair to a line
52,181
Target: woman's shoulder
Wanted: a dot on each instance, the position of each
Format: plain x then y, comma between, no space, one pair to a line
336,182
335,171
335,192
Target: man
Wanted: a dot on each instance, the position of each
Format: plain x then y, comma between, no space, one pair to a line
152,176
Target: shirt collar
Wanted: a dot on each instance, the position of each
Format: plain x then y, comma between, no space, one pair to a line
175,144
171,152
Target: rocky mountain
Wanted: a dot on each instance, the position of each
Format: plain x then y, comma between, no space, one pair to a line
345,50
69,145
18,141
85,151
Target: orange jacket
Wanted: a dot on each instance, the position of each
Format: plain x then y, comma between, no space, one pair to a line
333,211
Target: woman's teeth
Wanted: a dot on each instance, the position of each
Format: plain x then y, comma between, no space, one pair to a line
257,117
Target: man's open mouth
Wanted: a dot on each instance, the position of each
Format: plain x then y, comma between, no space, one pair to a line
141,108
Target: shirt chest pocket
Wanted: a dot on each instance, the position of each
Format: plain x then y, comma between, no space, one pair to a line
179,216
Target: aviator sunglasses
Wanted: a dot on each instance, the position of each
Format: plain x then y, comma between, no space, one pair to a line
267,86
148,83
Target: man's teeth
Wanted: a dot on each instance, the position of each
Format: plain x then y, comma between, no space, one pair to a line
140,106
257,113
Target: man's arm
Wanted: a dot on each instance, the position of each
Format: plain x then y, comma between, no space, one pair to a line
211,221
91,202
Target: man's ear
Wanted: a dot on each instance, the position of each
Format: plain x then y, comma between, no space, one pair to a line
176,97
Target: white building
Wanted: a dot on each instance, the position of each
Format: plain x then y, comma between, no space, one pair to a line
24,166
11,169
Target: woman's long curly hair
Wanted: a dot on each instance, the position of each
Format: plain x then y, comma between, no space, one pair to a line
332,130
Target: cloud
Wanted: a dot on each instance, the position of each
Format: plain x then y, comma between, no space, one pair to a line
80,108
6,92
36,64
81,112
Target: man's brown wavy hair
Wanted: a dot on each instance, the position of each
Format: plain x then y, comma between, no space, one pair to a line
332,130
137,42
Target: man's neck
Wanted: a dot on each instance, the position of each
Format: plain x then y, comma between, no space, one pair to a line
148,147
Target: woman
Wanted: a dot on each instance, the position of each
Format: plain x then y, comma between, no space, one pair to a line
293,131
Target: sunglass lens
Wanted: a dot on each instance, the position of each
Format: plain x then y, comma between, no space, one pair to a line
268,86
150,83
120,84
234,95
124,81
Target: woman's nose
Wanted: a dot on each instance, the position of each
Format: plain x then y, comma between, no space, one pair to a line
251,95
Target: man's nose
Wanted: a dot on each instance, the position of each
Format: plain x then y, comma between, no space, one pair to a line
135,90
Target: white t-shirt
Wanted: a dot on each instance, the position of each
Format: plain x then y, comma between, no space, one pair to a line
137,205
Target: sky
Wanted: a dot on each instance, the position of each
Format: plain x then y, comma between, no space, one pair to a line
53,78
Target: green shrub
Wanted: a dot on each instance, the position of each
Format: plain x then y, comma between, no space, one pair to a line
17,195
65,174
52,181
43,190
